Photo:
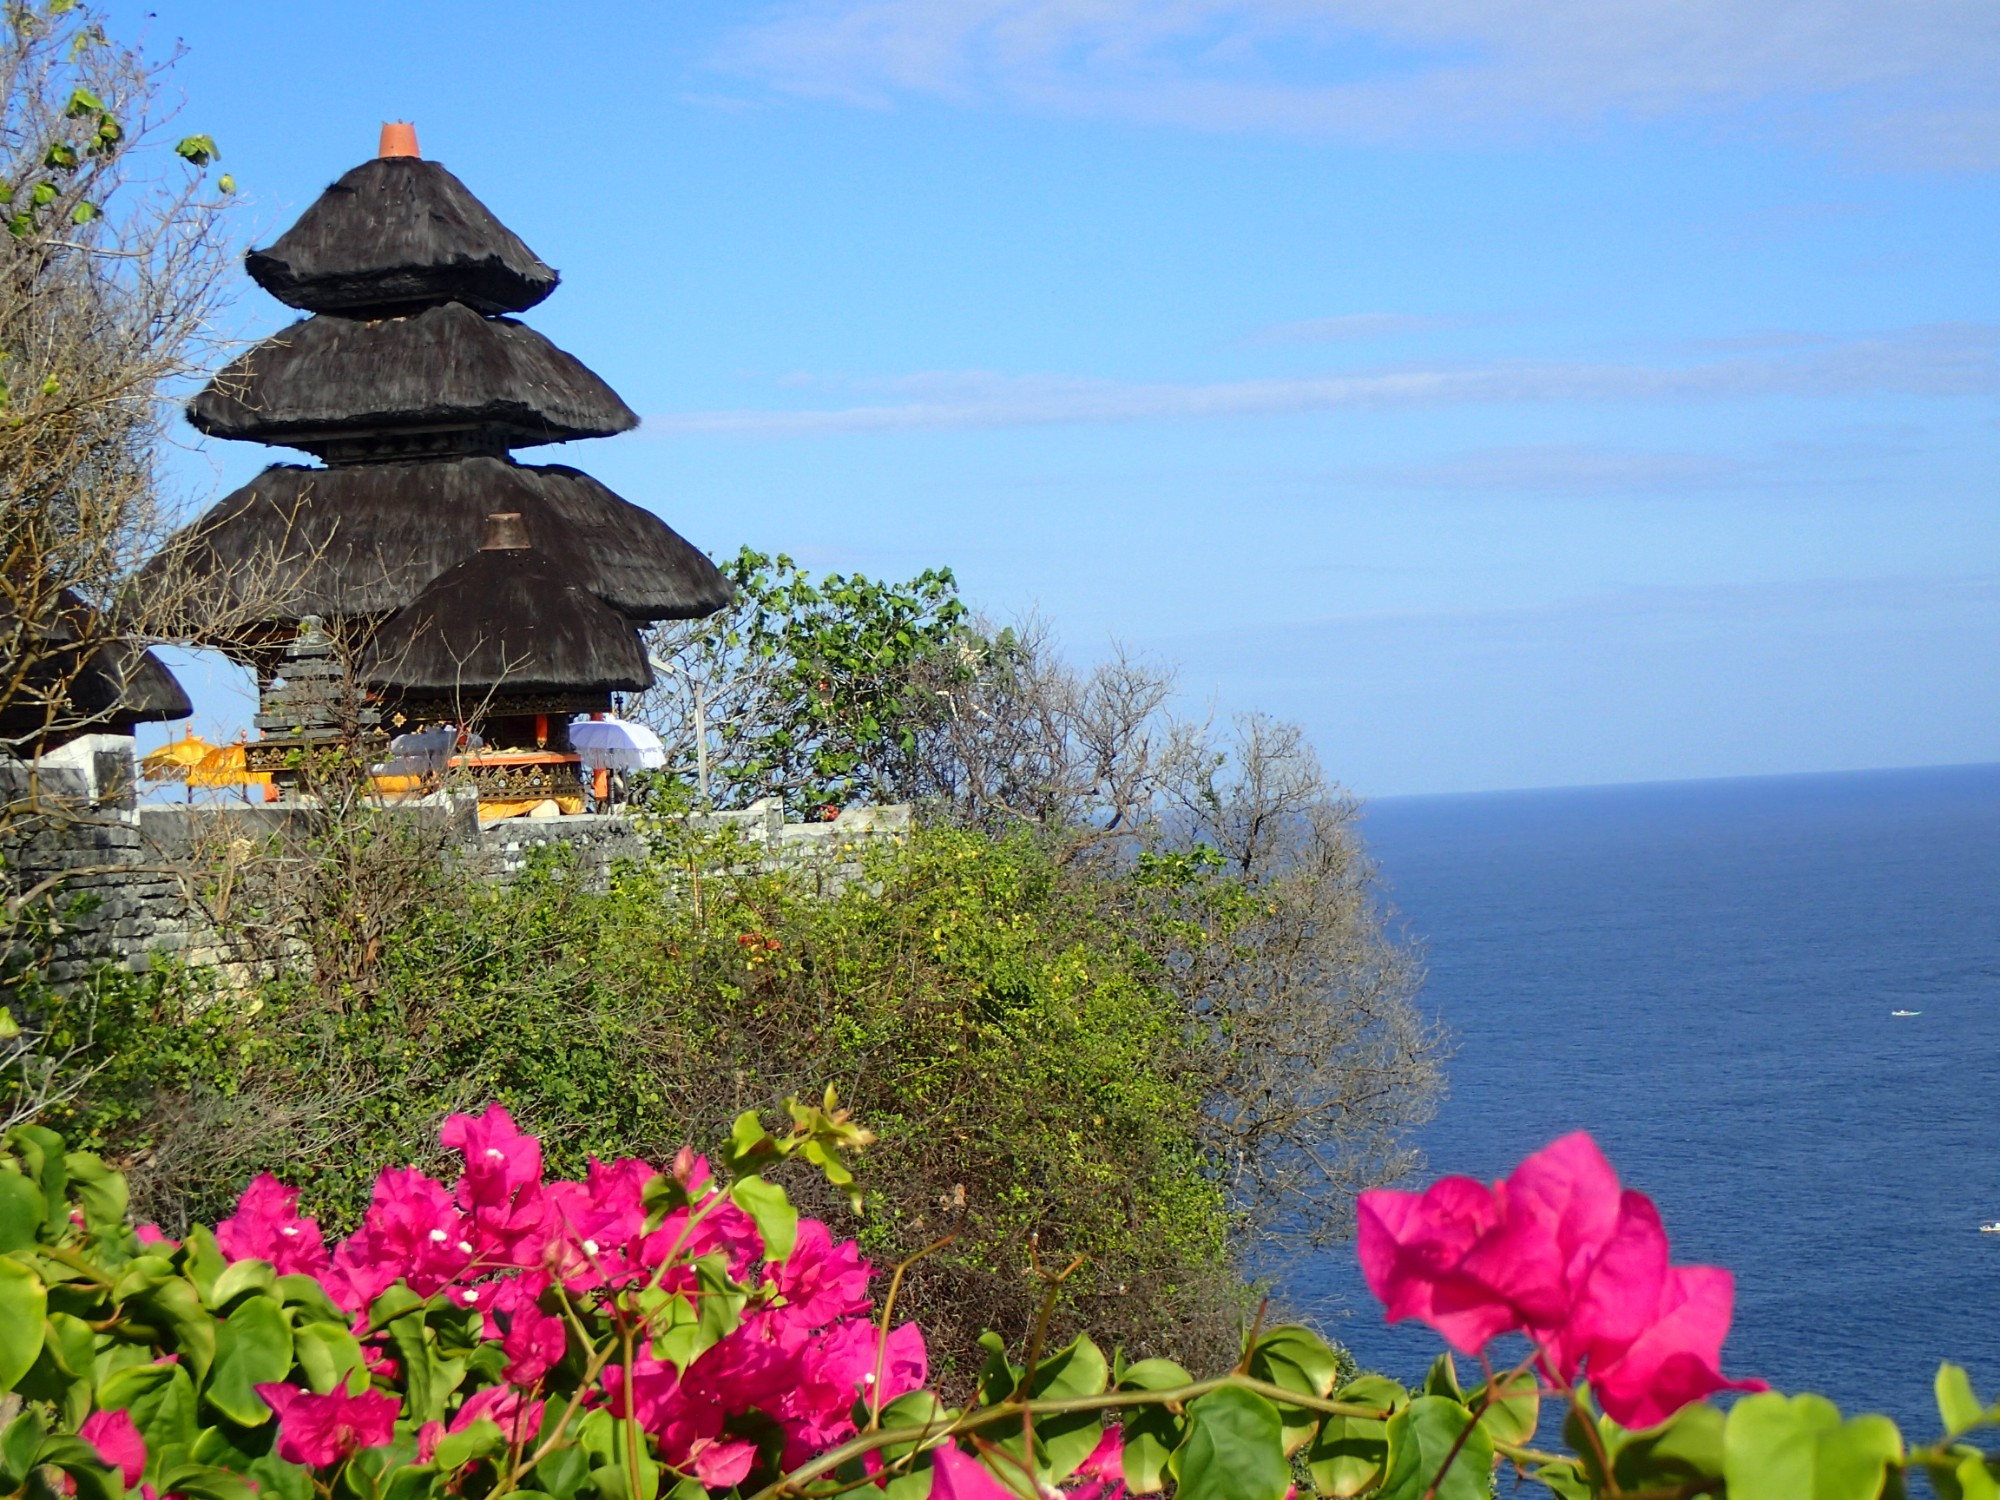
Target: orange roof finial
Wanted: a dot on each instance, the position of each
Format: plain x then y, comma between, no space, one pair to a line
399,138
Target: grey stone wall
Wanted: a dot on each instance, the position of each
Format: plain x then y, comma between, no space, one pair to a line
83,834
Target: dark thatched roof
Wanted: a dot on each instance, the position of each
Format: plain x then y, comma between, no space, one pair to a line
517,619
400,232
65,692
122,685
446,367
364,540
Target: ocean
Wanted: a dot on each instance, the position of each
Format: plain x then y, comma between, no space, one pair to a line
1702,975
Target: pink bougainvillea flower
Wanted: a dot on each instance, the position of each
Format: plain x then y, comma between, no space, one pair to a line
413,1232
117,1441
1676,1358
534,1343
718,1465
1412,1248
598,1221
822,1281
149,1235
319,1431
516,1418
954,1476
1561,1252
267,1226
1557,1210
499,1160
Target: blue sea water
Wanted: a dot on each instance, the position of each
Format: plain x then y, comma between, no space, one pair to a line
1702,974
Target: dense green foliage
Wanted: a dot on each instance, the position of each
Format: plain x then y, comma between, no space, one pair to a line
812,690
1000,1026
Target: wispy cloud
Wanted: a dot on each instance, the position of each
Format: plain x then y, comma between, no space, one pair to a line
1567,468
1346,326
1909,79
1944,360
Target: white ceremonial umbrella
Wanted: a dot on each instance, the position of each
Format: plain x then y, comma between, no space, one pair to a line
617,745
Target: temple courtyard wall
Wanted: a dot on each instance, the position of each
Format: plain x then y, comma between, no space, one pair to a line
80,830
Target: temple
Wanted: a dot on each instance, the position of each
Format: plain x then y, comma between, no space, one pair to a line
417,575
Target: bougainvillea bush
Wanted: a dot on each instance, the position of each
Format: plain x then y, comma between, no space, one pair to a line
683,1333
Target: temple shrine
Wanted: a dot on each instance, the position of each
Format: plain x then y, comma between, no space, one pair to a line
418,576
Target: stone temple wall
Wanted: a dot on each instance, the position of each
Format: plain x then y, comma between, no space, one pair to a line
88,836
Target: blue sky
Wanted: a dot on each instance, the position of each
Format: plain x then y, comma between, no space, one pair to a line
1523,392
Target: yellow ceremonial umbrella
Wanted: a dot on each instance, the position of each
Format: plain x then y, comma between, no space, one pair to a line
226,765
175,759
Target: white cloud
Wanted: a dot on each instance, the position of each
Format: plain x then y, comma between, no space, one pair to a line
1940,361
1345,326
1906,79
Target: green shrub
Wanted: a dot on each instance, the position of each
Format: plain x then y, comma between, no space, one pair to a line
994,1016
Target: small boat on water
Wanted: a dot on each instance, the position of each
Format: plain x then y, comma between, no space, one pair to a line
1991,1226
1917,1013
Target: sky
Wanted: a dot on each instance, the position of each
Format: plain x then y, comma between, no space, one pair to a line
1514,392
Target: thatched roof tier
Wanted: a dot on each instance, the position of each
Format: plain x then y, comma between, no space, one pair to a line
328,379
509,618
399,232
122,685
362,541
71,687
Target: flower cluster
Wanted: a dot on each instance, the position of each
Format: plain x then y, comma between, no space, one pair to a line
526,1255
1559,1252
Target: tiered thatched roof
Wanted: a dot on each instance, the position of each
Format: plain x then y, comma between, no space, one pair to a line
412,387
511,616
329,378
400,231
363,539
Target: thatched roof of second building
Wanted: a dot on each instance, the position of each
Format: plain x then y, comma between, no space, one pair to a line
363,540
400,231
509,619
329,378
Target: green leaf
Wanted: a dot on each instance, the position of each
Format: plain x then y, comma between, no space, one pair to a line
1348,1454
1435,1447
1975,1480
207,1482
326,1354
1957,1406
160,1400
562,1473
83,213
202,1260
310,1303
24,1304
93,1478
41,1150
21,1210
19,1442
1514,1411
1298,1360
243,1276
1234,1449
480,1439
82,102
252,1347
1797,1448
777,1221
1065,1439
279,1480
199,150
1687,1447
429,1377
392,1305
1152,1433
174,1307
1443,1379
